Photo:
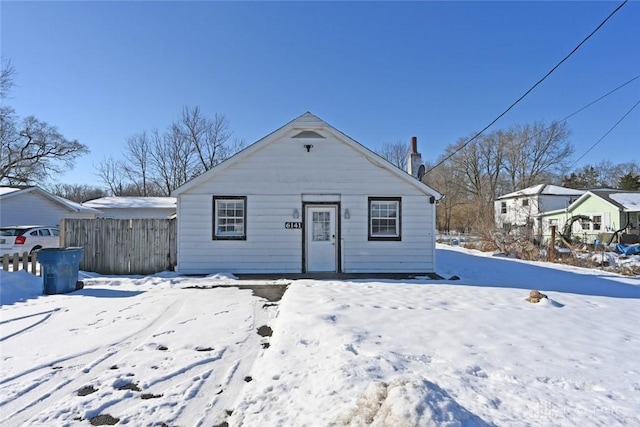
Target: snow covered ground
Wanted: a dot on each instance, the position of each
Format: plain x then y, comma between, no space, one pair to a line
162,351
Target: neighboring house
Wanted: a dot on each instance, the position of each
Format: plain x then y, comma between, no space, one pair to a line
608,210
523,208
134,207
31,205
304,199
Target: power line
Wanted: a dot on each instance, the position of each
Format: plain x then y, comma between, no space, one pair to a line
599,99
531,88
607,133
582,109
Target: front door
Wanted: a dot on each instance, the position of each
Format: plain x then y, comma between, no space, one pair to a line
320,229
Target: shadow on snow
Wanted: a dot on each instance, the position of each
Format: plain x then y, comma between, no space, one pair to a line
510,273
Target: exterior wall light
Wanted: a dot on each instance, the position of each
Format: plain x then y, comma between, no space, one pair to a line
296,214
347,215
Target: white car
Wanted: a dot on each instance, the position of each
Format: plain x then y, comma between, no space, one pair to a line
27,238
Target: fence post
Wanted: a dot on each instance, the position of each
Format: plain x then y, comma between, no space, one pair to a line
552,244
34,263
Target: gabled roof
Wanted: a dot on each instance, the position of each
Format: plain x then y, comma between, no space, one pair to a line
307,122
543,189
626,201
7,192
132,203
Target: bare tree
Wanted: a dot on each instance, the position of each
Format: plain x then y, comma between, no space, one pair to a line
396,153
494,164
6,77
137,163
478,166
77,192
445,180
533,152
33,150
172,159
206,136
157,163
111,172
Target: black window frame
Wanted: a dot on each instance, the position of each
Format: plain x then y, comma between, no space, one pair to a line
373,237
214,234
503,207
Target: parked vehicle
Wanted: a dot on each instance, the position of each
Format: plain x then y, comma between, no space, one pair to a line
27,238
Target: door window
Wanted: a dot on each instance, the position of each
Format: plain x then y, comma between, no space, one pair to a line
321,226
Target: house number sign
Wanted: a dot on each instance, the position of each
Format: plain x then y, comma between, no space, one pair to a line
292,225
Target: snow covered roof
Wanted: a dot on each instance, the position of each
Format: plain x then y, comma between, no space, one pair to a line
627,201
630,201
132,202
7,190
68,204
546,189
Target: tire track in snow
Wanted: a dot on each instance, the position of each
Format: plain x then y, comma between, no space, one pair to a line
227,392
47,316
25,404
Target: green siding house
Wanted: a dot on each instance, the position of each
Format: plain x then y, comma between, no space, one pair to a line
608,211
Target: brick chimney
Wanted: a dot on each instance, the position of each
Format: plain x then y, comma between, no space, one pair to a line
415,159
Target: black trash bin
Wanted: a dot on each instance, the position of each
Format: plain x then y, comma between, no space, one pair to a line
60,267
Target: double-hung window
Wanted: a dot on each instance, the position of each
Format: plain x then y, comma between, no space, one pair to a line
229,218
585,224
384,218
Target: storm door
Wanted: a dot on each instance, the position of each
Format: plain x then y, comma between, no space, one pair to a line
320,237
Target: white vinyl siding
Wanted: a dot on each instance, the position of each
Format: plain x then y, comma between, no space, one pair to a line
274,193
31,208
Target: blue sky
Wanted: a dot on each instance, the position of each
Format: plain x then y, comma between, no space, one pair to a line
378,71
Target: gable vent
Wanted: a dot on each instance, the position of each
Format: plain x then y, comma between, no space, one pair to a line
308,134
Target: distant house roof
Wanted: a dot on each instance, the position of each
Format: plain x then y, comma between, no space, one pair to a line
630,201
626,201
546,189
132,202
13,191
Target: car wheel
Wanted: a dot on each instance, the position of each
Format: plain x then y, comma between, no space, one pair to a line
35,249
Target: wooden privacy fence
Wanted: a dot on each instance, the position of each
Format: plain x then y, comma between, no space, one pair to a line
122,246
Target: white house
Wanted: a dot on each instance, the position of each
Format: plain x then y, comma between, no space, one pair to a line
134,207
31,205
306,199
523,207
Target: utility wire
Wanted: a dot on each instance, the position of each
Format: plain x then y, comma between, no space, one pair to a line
581,109
599,99
530,89
607,133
